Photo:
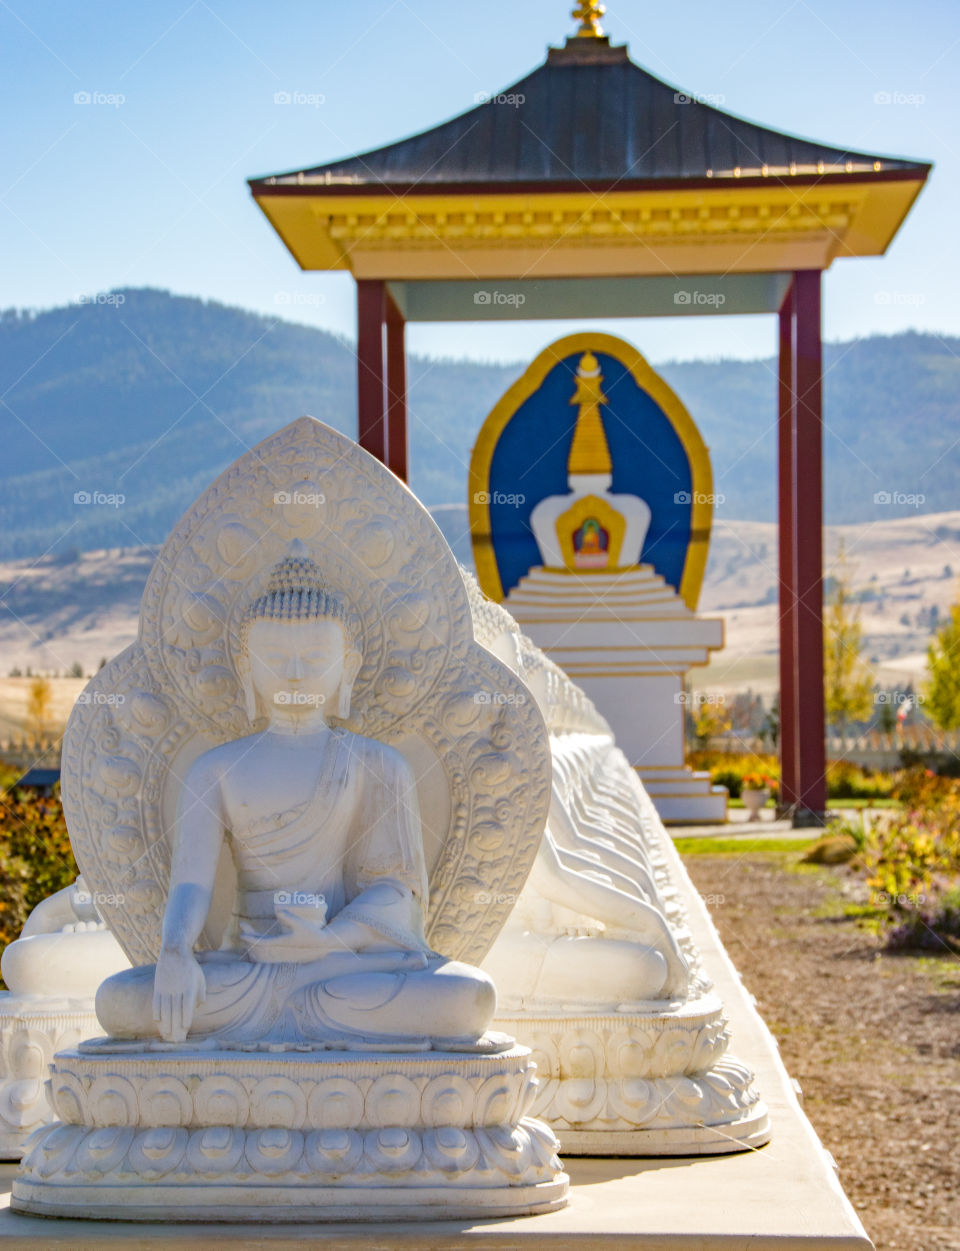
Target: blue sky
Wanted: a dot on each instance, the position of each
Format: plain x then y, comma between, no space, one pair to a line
143,182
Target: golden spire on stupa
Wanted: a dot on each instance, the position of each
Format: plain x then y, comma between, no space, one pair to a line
589,453
588,13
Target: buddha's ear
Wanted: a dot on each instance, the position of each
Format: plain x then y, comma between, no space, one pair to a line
351,667
246,683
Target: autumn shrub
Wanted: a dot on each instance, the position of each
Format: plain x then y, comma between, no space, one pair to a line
35,855
911,859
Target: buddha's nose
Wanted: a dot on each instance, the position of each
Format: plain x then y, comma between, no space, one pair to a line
294,667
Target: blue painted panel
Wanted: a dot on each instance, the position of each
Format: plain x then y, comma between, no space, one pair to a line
530,461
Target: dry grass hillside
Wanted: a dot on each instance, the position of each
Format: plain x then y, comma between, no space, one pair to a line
55,613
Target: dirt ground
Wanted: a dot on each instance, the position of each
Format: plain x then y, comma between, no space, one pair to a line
873,1039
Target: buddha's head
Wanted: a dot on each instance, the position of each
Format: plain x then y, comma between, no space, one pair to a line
299,646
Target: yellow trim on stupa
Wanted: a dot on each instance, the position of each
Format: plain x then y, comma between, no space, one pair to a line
698,457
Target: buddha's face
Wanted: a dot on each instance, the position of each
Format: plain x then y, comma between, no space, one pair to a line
300,668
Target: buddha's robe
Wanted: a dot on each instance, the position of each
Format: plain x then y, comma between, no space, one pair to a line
360,835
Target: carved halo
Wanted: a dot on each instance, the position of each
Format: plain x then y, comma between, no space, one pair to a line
426,686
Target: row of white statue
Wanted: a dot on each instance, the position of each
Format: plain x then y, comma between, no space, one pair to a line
373,908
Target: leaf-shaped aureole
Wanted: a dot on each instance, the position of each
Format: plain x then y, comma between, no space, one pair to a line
465,722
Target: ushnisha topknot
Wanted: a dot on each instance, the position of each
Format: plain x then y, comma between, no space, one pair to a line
296,591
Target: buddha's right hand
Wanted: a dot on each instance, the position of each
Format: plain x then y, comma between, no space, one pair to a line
178,987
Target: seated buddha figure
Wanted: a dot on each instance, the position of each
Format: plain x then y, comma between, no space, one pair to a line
326,945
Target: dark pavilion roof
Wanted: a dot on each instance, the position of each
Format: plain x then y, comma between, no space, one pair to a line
590,116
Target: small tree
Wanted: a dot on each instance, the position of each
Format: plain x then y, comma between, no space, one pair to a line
710,720
942,692
848,687
76,669
39,699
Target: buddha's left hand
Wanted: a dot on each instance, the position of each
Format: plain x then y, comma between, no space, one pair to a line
300,940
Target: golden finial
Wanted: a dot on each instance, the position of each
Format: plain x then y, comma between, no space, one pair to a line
588,13
589,453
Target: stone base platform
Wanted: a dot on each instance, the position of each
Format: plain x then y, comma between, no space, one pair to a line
655,1082
193,1135
33,1028
786,1197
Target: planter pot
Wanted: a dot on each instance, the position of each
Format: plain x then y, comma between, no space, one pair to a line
753,801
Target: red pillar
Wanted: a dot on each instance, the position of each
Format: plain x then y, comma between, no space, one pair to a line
785,535
371,371
811,780
396,391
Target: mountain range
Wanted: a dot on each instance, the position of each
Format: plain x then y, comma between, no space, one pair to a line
117,412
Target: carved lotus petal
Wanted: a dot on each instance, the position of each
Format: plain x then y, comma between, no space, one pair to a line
52,1153
448,1101
636,1100
450,1150
393,1100
29,1052
632,1055
497,1100
335,1103
157,1152
545,1053
334,1151
582,1054
68,1098
22,1103
671,1053
113,1101
166,1101
221,1100
278,1102
216,1150
274,1151
102,1151
393,1150
579,1100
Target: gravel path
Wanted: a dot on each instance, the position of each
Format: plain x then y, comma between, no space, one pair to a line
873,1039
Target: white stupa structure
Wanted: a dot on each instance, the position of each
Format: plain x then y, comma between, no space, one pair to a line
613,623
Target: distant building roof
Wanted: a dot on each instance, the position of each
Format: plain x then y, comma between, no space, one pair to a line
589,115
39,779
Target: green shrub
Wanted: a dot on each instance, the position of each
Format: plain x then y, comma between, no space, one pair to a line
729,770
846,780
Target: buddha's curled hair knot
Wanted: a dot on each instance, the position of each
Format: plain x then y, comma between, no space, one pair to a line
296,591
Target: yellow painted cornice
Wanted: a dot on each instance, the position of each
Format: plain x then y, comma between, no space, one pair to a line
724,227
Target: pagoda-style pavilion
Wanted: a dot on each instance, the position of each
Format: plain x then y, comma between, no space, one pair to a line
592,189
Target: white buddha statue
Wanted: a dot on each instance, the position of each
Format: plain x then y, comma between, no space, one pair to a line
590,529
64,949
591,926
327,945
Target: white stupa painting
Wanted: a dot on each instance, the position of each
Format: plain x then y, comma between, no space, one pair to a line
611,621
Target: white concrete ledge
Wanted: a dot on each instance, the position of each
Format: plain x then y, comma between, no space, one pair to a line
782,1197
